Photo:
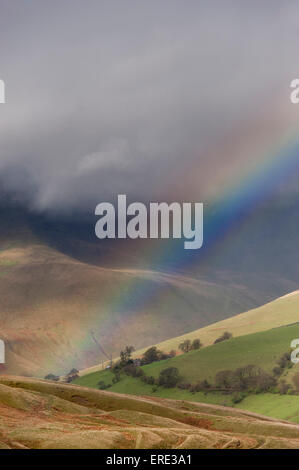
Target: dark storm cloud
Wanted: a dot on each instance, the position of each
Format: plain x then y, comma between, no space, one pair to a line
108,97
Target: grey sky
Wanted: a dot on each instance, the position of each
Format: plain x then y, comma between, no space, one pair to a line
109,97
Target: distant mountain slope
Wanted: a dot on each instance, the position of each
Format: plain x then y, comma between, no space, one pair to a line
43,415
58,313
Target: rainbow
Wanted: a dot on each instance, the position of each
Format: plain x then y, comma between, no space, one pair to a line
268,163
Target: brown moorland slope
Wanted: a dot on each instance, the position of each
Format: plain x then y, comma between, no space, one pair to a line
58,313
44,415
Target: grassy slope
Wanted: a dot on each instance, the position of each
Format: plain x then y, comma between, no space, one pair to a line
278,406
45,415
262,349
282,311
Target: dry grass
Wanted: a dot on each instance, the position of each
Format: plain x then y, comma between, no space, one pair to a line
45,415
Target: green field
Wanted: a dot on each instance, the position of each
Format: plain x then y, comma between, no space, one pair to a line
131,386
261,349
269,404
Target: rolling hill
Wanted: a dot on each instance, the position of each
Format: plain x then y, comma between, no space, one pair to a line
39,414
262,349
282,311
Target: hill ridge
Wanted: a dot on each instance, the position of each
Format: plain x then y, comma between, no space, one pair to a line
263,318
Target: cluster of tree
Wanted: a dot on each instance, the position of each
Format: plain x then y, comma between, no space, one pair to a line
283,363
187,345
249,378
254,379
154,354
103,386
118,367
68,378
200,386
244,379
132,367
224,337
72,375
168,377
125,355
53,377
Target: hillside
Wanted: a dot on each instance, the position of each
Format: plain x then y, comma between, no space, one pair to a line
282,311
262,349
43,415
